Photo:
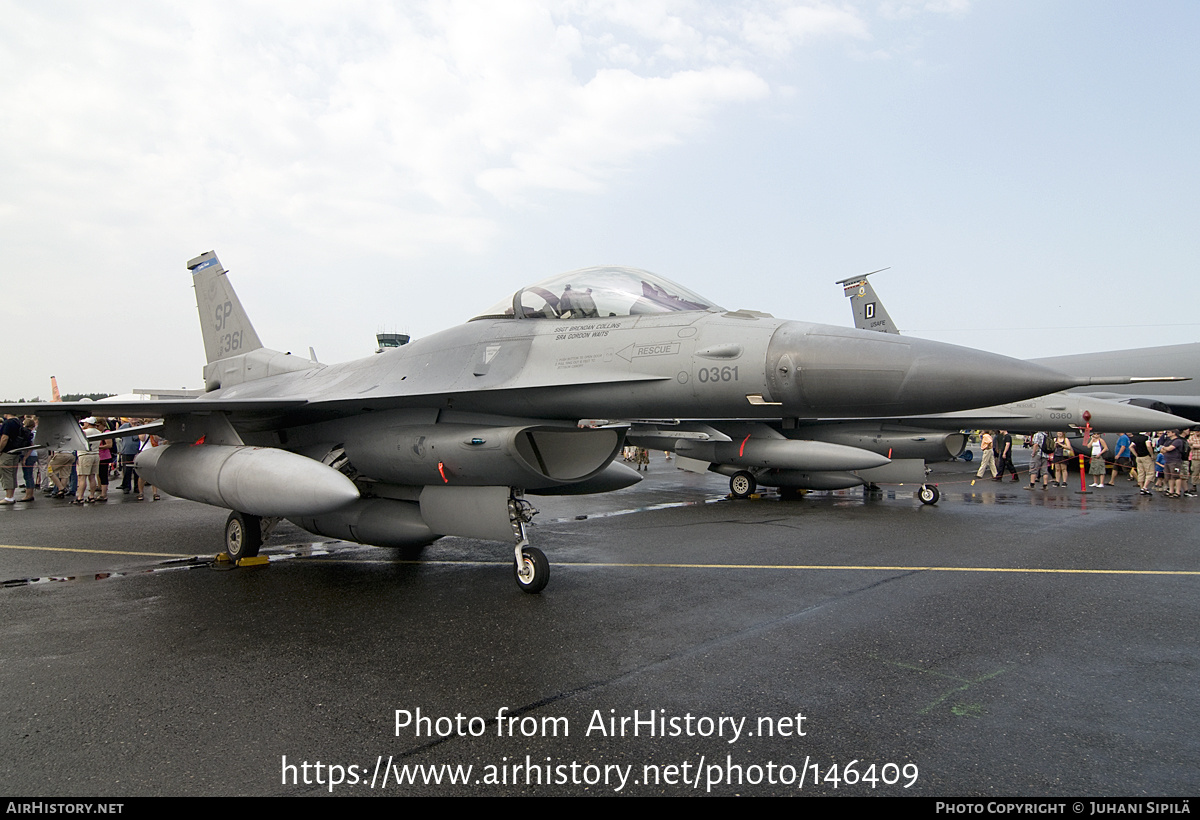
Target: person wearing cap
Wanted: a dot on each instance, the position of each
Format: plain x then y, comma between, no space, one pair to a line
88,466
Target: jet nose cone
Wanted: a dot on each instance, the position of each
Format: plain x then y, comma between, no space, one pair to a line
824,370
1120,416
972,378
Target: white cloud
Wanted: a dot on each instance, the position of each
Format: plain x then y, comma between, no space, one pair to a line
907,9
778,31
605,124
329,114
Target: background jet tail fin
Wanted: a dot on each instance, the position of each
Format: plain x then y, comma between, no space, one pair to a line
226,327
869,313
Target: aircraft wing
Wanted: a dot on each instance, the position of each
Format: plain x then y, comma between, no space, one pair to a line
295,409
58,426
191,419
150,409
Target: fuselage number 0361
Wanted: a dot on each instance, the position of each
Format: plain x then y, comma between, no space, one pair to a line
717,374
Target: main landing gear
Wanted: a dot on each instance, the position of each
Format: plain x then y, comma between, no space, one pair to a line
243,535
742,484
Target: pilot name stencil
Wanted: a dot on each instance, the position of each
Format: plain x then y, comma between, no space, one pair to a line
589,331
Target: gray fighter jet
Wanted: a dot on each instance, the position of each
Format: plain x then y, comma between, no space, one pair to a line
446,435
1183,359
903,444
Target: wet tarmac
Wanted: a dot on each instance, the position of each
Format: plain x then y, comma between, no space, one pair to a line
1004,642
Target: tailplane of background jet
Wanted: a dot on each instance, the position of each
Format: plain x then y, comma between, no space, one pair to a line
869,313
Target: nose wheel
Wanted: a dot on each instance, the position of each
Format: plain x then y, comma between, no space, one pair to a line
532,570
929,494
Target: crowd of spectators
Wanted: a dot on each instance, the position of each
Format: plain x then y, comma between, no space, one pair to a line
79,477
1167,462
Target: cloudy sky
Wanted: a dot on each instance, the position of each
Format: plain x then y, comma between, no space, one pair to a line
1028,169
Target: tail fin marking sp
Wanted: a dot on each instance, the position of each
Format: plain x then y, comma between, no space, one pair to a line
223,322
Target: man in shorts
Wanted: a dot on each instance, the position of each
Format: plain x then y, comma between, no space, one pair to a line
1171,447
1039,460
10,432
1143,455
88,467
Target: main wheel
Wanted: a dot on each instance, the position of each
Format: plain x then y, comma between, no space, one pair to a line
742,484
243,535
929,494
533,572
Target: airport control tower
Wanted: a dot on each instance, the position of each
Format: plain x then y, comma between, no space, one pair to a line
386,341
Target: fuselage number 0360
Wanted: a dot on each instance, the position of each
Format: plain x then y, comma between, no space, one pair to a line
717,374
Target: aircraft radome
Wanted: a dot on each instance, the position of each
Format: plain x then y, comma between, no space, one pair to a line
446,435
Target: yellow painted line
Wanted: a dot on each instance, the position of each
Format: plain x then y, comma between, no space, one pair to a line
98,552
610,565
1031,570
792,567
897,569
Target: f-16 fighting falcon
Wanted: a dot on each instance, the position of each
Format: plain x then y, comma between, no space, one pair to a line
447,434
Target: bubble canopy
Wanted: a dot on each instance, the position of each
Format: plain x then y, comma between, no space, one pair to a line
593,293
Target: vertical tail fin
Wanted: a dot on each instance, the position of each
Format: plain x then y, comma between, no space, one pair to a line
224,323
869,313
